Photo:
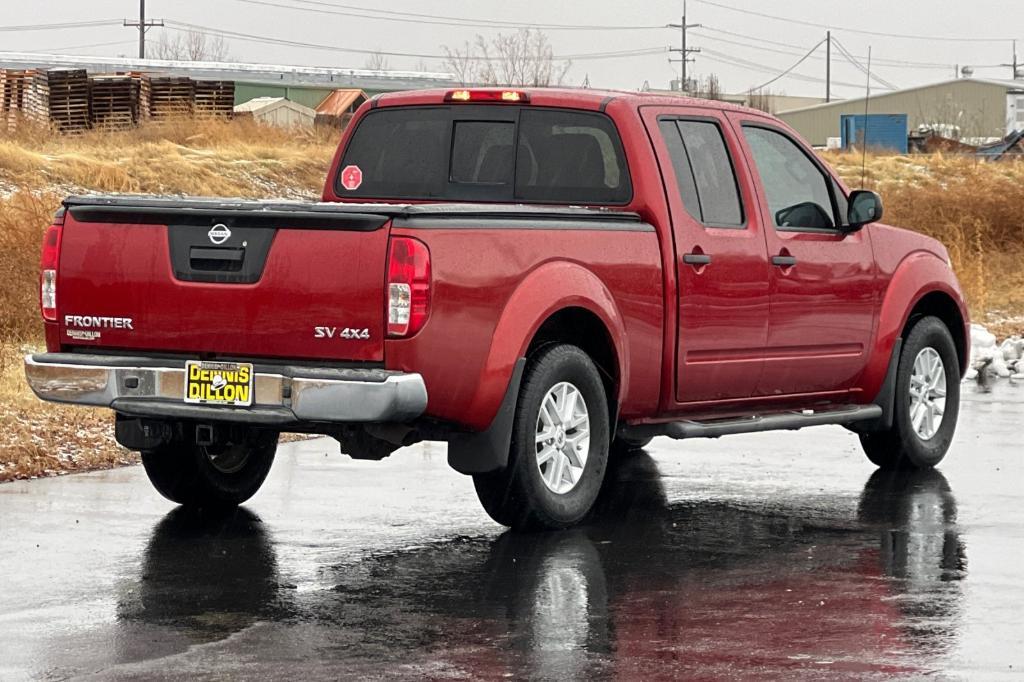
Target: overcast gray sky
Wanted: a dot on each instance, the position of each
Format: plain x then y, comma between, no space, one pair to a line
743,49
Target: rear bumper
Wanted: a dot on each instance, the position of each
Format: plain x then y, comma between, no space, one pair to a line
283,394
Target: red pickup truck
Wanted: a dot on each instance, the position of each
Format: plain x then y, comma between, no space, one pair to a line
541,278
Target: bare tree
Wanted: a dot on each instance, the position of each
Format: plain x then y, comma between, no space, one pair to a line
760,100
521,58
707,88
377,62
462,63
192,47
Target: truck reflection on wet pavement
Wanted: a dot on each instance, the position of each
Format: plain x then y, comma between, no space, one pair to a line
719,559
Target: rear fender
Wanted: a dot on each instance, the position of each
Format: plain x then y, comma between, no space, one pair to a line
548,289
919,274
545,291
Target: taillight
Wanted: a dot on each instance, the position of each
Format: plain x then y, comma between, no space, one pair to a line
48,272
408,293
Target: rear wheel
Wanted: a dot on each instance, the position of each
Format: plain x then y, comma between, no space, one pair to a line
211,476
559,449
927,402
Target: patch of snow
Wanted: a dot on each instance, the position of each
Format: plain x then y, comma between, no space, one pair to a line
1005,360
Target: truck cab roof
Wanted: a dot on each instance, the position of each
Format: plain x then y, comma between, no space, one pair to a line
576,98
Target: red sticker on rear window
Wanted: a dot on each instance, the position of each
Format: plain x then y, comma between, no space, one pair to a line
351,177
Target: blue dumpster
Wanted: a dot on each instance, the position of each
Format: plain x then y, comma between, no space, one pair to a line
881,131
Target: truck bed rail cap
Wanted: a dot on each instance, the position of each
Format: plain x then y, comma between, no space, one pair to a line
217,205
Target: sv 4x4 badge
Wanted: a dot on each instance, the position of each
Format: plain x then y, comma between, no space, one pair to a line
340,333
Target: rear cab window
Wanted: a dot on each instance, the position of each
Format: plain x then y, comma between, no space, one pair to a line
704,172
496,153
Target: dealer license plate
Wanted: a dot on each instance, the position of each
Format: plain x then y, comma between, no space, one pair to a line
218,383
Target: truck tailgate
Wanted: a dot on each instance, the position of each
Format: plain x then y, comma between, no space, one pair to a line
248,279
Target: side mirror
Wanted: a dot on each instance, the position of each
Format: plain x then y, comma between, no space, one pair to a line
865,207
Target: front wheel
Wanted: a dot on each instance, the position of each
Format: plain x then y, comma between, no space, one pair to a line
927,402
211,476
559,449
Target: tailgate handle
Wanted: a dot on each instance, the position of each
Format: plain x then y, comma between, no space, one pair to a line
207,258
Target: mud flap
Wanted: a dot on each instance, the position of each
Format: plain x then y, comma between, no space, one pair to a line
487,451
886,398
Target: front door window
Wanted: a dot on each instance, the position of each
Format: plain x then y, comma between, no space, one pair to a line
797,191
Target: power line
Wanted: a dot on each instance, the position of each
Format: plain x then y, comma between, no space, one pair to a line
206,30
67,24
846,53
801,22
87,46
899,63
613,55
790,69
356,11
732,60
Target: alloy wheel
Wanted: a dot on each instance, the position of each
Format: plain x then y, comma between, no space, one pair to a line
562,438
927,393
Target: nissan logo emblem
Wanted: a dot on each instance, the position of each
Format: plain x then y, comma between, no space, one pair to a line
219,233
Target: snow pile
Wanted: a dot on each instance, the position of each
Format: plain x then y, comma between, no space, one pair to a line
992,359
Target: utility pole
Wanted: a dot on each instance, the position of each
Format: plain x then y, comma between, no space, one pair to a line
1015,65
143,26
828,67
684,51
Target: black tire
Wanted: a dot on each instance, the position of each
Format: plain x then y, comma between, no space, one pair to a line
625,446
901,447
517,496
211,477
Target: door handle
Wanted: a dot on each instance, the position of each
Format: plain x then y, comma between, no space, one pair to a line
784,261
696,258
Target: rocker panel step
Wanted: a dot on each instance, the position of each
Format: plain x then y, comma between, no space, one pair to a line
776,421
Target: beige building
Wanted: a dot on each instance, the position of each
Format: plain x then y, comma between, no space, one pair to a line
971,107
770,102
779,103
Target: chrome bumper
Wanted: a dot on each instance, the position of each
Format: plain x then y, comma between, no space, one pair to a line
283,394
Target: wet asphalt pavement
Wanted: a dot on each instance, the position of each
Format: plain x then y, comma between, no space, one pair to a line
764,556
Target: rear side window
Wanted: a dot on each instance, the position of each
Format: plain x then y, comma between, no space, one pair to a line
570,157
403,154
704,172
488,153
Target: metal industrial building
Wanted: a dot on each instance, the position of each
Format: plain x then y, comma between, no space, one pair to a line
974,107
307,85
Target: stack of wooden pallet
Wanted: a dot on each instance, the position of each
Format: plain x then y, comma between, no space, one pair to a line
114,102
215,98
60,97
164,96
14,84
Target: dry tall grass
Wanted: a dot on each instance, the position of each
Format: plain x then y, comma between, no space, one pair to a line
178,156
974,207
